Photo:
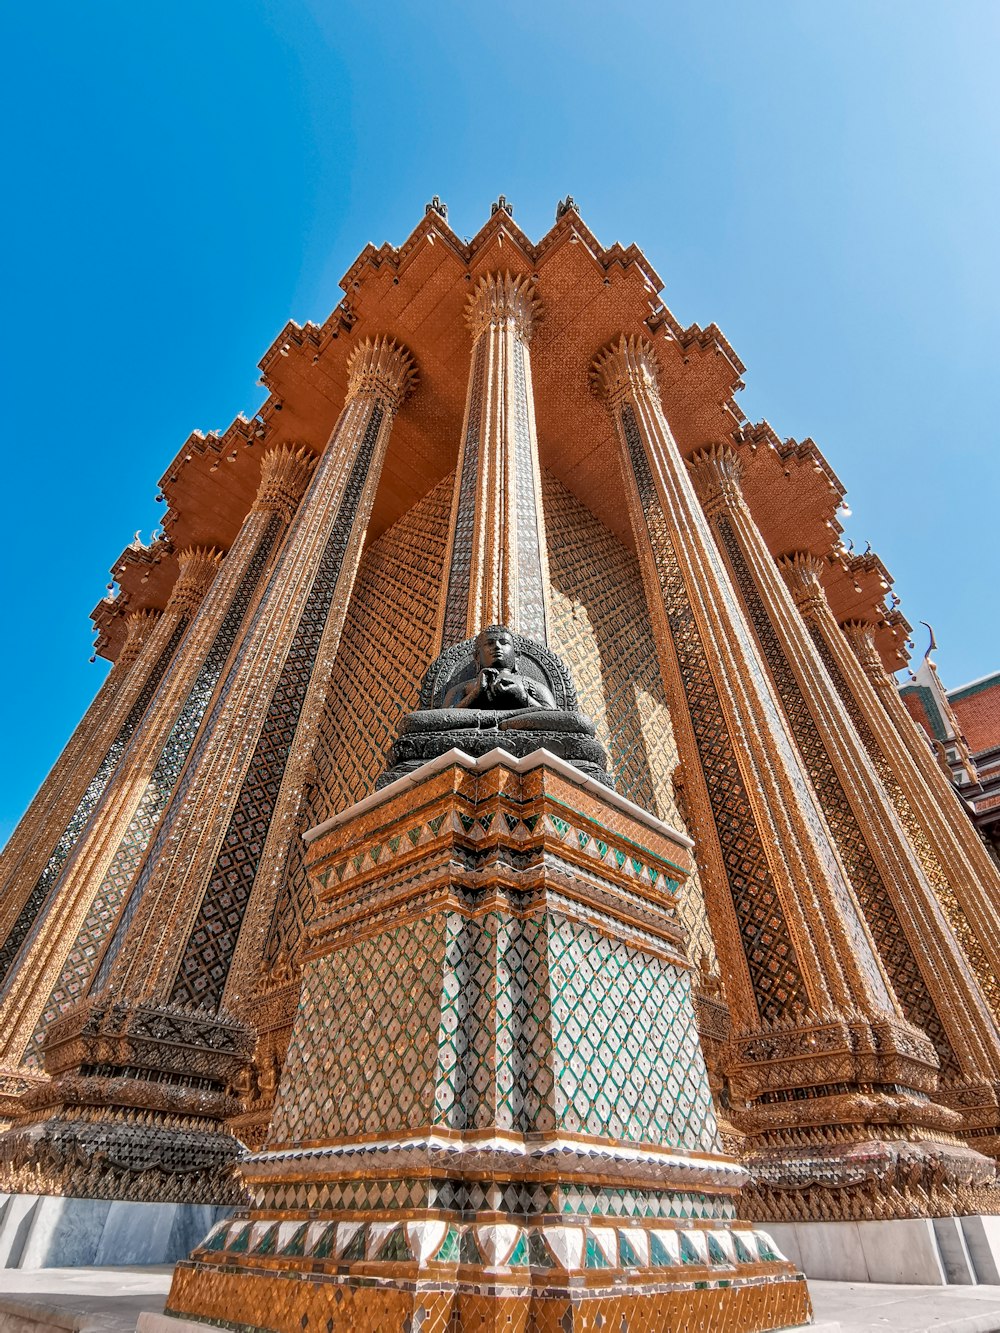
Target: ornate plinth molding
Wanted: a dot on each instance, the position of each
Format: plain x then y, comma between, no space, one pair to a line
133,1108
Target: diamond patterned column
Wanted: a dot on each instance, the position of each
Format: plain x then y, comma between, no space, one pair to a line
37,944
110,714
92,893
52,824
965,879
238,792
497,562
929,974
818,1036
152,1034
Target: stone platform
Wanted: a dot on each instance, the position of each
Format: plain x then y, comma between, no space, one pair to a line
117,1300
960,1251
81,1300
49,1231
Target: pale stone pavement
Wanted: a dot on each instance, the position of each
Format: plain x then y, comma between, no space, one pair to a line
110,1300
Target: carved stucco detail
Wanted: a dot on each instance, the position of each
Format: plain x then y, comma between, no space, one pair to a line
284,474
500,299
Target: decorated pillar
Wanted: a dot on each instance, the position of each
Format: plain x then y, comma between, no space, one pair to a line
965,879
818,1036
497,566
46,835
92,891
929,974
154,1018
36,943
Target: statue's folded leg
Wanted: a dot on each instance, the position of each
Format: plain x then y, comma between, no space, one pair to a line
448,719
547,719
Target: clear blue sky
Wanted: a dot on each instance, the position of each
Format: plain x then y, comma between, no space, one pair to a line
823,180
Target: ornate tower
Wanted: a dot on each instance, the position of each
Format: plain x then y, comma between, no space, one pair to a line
504,432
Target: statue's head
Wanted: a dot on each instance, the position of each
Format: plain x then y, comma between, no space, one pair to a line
495,648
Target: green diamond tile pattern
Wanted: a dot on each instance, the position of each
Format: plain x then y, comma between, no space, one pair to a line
364,1049
628,1062
495,1046
528,1025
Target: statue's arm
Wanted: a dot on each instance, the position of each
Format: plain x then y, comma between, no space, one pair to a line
461,696
540,694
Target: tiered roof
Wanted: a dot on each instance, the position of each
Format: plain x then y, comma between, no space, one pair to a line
416,293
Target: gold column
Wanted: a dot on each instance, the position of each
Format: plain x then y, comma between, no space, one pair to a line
36,945
214,595
930,977
70,793
237,809
150,1052
498,562
965,879
819,1039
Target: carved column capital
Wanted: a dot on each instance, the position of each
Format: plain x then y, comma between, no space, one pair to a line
501,300
626,366
861,636
803,573
497,558
717,473
198,566
284,473
138,627
382,370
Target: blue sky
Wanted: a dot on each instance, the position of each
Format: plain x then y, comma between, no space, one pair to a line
821,180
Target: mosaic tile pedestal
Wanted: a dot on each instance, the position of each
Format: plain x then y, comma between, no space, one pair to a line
495,1110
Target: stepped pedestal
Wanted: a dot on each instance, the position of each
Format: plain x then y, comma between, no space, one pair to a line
495,1109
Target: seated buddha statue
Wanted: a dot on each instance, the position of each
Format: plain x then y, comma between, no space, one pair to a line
498,684
498,690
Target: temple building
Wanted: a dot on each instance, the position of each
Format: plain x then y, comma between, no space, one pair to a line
499,863
963,728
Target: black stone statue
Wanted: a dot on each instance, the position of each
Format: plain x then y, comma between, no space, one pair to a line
497,691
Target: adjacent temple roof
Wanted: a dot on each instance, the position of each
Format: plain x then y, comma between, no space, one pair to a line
416,293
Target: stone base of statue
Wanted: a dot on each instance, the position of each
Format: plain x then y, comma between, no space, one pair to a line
427,735
495,1110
